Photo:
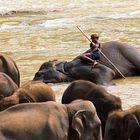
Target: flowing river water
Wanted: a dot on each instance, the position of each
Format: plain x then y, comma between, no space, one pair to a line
35,31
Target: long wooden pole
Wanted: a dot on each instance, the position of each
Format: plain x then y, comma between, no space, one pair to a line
102,53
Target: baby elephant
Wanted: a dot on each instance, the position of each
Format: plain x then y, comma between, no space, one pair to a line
103,101
50,121
123,125
33,91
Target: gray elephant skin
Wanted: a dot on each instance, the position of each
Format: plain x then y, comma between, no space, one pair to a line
32,91
103,101
50,121
123,125
124,57
8,66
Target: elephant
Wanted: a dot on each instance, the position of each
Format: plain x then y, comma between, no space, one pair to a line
7,85
103,101
52,72
50,121
123,125
32,91
63,71
125,60
8,66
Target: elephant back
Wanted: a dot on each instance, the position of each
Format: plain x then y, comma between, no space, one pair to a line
35,91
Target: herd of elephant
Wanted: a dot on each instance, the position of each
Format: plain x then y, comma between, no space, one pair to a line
86,112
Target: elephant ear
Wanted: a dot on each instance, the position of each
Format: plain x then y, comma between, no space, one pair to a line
130,124
79,119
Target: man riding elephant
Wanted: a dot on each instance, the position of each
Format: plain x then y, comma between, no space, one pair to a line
124,57
94,55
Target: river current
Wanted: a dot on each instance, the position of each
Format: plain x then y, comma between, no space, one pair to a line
35,31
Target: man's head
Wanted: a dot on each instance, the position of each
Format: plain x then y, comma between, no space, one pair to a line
94,36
